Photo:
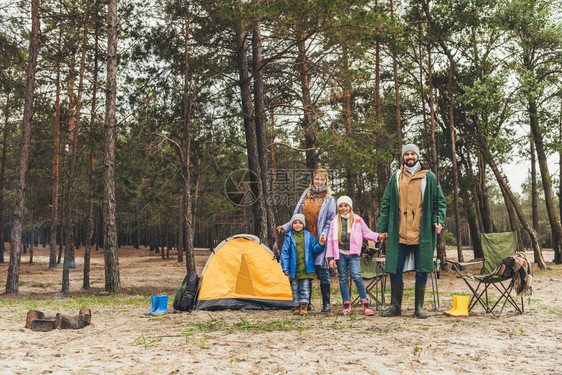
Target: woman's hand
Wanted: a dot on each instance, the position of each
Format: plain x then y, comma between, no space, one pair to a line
438,228
383,236
286,272
332,264
322,240
280,229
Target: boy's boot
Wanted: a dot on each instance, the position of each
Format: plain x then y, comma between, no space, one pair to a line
297,310
304,308
346,308
395,309
325,288
366,309
420,294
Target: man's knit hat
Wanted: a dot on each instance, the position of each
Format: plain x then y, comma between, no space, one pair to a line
344,199
299,217
410,147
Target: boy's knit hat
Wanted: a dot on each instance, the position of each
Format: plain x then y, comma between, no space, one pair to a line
410,147
344,199
299,217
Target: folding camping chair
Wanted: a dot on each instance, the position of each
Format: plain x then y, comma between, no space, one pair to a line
372,271
495,248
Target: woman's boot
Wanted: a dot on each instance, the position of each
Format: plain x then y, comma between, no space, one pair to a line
395,309
420,294
325,289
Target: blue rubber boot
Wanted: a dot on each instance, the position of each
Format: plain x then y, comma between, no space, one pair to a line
154,305
162,305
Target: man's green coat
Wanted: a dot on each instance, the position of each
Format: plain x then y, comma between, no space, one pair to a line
434,209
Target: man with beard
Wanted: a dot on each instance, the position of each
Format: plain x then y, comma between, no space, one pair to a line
412,213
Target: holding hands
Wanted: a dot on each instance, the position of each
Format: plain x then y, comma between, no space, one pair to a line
322,240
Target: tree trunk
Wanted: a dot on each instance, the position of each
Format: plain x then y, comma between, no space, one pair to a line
534,190
427,140
72,146
56,166
441,249
180,231
188,94
69,259
12,283
111,249
261,132
260,215
560,162
378,73
309,118
3,173
90,217
455,169
161,241
507,191
396,96
469,209
484,202
546,183
32,234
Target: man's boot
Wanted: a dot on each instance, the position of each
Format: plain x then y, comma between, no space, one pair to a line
395,309
325,288
420,294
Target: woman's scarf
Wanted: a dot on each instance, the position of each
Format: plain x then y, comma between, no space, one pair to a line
315,191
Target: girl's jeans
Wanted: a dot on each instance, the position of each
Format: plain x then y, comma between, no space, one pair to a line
403,250
301,290
350,262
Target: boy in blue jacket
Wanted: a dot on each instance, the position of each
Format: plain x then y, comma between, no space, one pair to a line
297,261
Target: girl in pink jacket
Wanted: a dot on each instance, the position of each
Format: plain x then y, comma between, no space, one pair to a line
343,248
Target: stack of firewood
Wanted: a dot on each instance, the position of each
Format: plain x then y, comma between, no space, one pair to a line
38,321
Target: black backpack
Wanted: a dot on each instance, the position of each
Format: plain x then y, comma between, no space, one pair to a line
186,296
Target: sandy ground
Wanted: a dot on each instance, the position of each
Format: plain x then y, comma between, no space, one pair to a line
123,340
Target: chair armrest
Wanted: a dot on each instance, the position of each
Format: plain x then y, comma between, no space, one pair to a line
463,264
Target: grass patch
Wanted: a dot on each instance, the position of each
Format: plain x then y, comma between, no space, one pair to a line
214,325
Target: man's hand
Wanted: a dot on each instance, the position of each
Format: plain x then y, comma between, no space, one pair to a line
383,236
322,240
286,272
332,264
438,228
280,229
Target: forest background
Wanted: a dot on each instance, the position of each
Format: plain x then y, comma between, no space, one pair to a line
174,124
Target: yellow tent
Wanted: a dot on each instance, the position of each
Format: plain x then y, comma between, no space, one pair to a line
243,274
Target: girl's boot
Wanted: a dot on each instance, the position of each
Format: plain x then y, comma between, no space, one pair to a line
366,309
297,310
346,308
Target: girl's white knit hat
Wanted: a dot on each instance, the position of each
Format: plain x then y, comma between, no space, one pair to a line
345,199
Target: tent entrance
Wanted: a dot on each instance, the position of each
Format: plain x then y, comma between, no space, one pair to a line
244,284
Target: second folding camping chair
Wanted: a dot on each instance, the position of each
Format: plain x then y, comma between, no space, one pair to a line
496,247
